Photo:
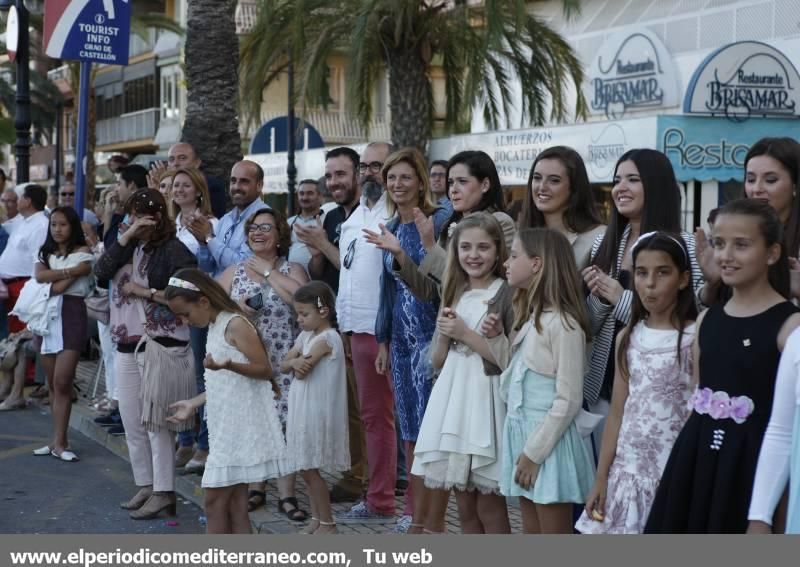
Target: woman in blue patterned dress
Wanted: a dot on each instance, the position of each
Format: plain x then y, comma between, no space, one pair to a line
405,324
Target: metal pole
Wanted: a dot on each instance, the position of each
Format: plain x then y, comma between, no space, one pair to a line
59,144
83,127
291,170
22,118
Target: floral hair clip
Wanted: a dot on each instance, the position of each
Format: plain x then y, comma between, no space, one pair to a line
183,284
319,303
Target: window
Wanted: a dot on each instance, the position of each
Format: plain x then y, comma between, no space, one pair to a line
171,79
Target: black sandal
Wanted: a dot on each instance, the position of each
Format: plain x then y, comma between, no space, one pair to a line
296,514
255,499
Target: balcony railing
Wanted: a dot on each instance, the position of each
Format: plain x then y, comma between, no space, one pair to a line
336,128
139,125
245,17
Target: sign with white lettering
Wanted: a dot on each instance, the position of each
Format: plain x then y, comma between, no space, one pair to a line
96,31
744,79
631,71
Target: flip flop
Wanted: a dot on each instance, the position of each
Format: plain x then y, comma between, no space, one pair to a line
42,451
65,455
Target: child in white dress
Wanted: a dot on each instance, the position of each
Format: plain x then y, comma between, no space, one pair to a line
316,426
458,443
652,386
245,438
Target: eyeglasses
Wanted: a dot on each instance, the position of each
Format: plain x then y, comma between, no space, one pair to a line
65,194
351,251
265,227
374,167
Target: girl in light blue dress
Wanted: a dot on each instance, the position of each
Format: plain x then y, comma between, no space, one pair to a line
545,461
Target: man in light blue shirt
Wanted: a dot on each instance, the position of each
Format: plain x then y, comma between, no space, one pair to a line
229,245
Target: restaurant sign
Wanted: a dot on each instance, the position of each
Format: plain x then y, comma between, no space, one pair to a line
744,79
632,70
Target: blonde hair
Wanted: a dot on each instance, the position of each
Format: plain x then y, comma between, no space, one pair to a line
414,158
455,279
558,284
200,186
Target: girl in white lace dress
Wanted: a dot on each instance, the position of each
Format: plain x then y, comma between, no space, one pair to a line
316,427
651,389
245,438
459,440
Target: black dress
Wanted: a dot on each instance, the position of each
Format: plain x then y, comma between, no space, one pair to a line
708,479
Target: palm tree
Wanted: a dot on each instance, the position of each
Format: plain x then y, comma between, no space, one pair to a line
481,47
212,55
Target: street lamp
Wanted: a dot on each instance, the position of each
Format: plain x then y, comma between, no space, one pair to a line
22,115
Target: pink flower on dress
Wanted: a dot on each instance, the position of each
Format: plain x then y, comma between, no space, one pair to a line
720,405
701,400
741,408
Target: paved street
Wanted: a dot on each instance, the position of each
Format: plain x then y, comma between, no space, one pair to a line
44,495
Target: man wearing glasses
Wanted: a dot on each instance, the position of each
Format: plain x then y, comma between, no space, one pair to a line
228,246
439,182
357,308
66,198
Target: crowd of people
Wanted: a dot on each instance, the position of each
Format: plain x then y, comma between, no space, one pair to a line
615,375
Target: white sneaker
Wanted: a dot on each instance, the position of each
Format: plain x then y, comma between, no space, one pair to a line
403,524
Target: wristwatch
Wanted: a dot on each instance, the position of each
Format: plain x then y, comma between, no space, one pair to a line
152,293
267,273
209,237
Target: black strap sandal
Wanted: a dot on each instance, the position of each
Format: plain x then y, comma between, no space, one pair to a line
255,499
296,514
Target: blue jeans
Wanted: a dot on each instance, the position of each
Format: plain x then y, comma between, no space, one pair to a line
197,338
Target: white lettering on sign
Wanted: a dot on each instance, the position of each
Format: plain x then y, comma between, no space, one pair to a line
98,42
702,156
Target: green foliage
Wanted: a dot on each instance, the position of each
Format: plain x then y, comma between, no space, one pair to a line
482,50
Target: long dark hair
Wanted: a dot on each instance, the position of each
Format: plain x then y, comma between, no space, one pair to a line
662,204
787,152
685,307
581,213
209,288
770,227
76,236
481,167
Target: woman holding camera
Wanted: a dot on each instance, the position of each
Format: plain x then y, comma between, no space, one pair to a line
264,287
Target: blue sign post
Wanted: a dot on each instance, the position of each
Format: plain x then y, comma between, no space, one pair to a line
89,31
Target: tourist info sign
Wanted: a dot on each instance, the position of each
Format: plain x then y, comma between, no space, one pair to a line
96,31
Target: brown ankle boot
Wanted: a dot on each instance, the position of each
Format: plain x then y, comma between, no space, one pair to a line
157,503
138,499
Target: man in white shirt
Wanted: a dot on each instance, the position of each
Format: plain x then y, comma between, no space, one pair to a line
310,200
16,264
356,310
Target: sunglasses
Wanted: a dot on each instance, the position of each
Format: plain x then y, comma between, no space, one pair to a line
351,251
65,194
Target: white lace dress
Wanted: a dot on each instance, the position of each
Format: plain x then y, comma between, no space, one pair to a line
244,432
459,439
316,427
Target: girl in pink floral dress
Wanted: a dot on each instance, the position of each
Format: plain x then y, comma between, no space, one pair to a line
652,385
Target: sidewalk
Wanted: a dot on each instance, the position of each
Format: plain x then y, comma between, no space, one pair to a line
265,520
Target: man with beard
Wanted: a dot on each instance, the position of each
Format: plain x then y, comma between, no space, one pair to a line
229,245
356,309
341,165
